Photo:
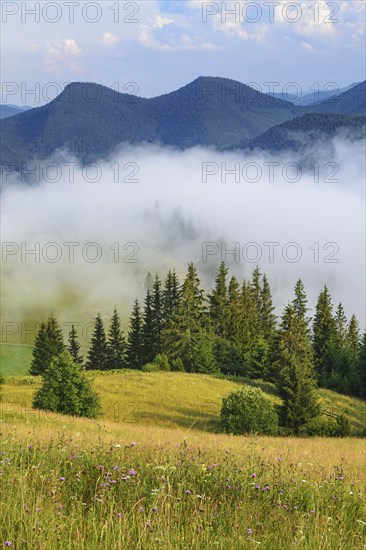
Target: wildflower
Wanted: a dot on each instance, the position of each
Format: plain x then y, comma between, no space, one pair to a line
73,456
119,514
312,511
254,476
100,467
257,486
7,543
117,446
132,472
148,524
154,509
133,443
30,447
188,492
60,507
265,488
249,532
62,478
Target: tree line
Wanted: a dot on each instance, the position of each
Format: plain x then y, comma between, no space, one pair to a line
232,329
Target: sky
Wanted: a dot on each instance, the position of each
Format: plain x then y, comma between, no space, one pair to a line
151,47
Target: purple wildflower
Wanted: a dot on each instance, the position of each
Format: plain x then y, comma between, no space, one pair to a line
148,524
62,478
133,443
257,486
7,543
249,532
132,472
254,476
188,492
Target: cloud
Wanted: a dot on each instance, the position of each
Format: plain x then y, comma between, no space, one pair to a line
109,39
169,212
61,56
307,46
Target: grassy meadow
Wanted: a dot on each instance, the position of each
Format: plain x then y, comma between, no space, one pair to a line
155,473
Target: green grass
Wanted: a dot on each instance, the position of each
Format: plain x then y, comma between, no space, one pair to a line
15,359
171,399
103,485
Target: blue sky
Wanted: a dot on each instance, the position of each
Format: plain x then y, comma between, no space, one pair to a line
162,45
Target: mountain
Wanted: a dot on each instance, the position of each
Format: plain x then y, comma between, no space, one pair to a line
298,133
90,120
351,102
11,110
308,97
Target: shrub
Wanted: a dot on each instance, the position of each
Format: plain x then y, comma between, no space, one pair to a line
177,365
248,410
150,367
162,362
321,426
343,426
66,389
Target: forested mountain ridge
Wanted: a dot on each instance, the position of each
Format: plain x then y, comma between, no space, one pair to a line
90,121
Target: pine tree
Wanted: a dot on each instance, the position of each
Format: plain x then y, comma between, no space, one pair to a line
296,381
267,319
323,332
74,346
66,389
98,353
157,316
49,343
336,351
134,358
182,333
361,366
170,297
203,356
218,301
116,344
147,332
300,302
234,312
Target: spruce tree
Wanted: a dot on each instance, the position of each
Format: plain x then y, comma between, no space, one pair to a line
134,358
300,302
296,381
170,297
116,344
361,366
98,353
234,312
323,332
74,346
203,355
182,333
66,389
157,316
267,319
147,333
218,301
49,343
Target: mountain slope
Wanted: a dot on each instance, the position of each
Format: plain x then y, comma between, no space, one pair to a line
351,102
91,120
11,110
298,133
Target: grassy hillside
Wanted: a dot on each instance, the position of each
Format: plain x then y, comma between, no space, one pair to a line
89,485
174,400
15,359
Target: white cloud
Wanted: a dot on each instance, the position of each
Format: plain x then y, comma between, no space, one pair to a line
109,39
307,46
61,56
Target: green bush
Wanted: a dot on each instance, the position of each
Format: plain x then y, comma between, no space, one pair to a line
323,426
162,362
343,426
248,410
150,367
177,365
66,389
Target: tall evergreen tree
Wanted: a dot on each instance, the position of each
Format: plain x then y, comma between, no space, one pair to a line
300,302
296,381
157,315
74,346
116,343
49,343
147,331
97,358
323,332
170,297
267,319
361,366
234,312
182,333
134,358
218,301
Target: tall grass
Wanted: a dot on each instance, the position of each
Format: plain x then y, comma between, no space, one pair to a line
76,484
